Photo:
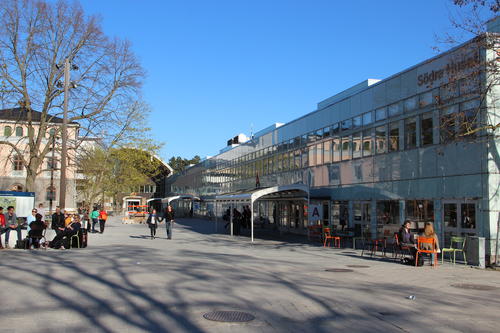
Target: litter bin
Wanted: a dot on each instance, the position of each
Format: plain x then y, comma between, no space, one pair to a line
474,249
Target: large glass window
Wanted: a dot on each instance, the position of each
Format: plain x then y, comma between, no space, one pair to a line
319,154
312,155
357,122
426,99
394,136
411,133
450,215
410,104
336,149
297,158
420,210
448,121
393,109
380,114
387,212
367,118
381,139
340,214
427,129
468,117
335,128
326,132
346,124
305,160
367,142
327,152
448,91
469,216
346,148
356,145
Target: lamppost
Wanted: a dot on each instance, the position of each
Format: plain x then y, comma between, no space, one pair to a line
52,168
64,132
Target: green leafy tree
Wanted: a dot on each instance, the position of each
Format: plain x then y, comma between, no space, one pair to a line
178,164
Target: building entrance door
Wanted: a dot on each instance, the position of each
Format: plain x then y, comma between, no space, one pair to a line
362,216
459,218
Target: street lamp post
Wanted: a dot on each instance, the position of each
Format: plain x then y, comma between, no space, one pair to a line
52,166
64,137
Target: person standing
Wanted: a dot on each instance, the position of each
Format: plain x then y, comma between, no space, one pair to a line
94,216
153,221
11,224
41,211
2,226
169,220
103,216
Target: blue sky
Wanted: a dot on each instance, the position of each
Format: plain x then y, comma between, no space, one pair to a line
221,67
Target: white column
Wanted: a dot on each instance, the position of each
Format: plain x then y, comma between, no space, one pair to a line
251,219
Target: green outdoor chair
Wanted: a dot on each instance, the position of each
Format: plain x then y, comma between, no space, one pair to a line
460,247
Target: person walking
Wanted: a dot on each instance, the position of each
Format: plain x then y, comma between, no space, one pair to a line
11,224
169,220
103,217
153,221
94,216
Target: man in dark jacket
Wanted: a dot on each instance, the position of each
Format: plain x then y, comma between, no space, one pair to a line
169,220
58,221
66,233
406,238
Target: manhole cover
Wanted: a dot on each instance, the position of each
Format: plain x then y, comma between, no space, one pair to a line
358,266
229,316
474,286
339,270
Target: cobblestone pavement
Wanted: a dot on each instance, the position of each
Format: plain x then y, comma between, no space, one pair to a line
125,282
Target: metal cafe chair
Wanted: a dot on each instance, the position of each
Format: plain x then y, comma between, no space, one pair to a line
460,242
327,236
426,245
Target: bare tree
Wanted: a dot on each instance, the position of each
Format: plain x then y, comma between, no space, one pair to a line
35,39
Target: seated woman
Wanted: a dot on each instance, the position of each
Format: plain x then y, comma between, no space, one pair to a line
406,238
70,230
36,231
429,233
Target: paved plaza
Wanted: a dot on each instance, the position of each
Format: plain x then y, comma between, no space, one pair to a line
125,282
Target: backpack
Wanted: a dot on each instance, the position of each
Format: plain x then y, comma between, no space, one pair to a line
411,261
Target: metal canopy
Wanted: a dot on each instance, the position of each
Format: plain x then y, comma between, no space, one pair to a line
268,193
168,200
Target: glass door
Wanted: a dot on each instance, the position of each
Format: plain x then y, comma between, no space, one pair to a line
362,216
459,218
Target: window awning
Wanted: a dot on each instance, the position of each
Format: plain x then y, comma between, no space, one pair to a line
168,200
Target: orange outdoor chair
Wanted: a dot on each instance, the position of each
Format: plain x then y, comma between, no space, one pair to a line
397,247
427,245
328,237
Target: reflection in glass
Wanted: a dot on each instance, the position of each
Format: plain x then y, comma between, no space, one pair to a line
336,149
381,139
427,129
367,143
394,136
346,148
356,145
411,133
327,152
468,216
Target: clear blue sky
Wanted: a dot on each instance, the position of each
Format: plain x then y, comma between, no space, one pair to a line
217,67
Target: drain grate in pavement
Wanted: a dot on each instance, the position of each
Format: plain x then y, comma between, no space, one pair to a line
358,266
473,286
229,316
339,270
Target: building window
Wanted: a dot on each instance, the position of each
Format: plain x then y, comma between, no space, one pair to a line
7,131
319,154
17,162
327,152
468,117
411,133
357,122
381,139
380,114
312,156
419,210
367,119
16,188
427,129
346,125
346,148
356,145
336,150
410,104
52,163
19,131
387,212
425,99
394,136
335,128
50,193
448,124
367,142
468,216
305,160
394,109
448,91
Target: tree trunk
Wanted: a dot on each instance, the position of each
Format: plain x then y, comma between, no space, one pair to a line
30,180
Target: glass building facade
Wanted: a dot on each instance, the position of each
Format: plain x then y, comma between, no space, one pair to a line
412,146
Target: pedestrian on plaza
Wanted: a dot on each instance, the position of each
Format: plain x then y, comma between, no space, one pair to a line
30,218
94,216
153,221
58,221
11,225
3,229
103,217
169,220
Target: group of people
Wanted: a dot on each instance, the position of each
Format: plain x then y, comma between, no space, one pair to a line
154,219
407,239
240,220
